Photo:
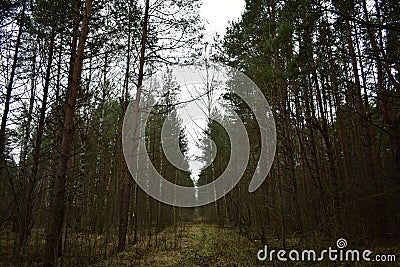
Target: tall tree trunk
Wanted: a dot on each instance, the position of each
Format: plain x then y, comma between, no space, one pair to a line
126,184
125,190
58,198
56,119
75,36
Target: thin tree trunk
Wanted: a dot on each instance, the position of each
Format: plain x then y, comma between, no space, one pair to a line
58,199
75,35
125,192
56,120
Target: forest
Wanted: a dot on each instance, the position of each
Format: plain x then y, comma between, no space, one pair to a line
329,69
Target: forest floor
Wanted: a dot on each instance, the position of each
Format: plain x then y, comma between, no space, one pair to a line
206,245
197,245
186,245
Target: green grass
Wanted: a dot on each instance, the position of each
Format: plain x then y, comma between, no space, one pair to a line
185,245
199,245
208,245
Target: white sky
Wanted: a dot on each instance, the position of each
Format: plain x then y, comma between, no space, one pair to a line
219,12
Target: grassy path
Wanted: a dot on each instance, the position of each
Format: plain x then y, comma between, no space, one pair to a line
204,245
198,245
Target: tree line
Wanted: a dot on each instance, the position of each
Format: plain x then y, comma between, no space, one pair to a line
71,68
329,70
